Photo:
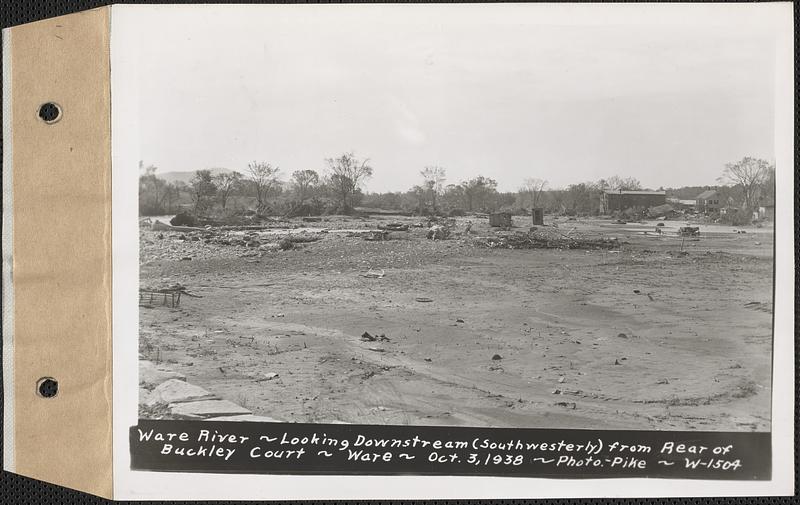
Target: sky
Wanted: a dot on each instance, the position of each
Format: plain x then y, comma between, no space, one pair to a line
566,94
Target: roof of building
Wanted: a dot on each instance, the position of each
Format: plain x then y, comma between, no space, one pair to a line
626,192
706,194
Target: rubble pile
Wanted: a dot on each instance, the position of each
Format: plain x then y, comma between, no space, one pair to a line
547,239
214,242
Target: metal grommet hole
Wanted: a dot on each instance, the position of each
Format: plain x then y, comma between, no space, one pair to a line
50,112
47,387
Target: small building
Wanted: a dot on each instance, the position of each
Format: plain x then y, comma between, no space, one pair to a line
620,200
500,219
538,216
707,202
766,211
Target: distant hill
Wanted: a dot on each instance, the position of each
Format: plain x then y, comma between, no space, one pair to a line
187,176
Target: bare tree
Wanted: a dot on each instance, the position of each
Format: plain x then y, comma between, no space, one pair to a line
347,175
618,183
749,174
434,177
264,178
227,183
304,181
533,188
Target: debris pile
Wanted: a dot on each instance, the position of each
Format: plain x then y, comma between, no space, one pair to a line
375,236
166,295
183,243
366,337
547,239
393,226
438,232
689,231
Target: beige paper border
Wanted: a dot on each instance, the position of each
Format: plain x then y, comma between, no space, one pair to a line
61,248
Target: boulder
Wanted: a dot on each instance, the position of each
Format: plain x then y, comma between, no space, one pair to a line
203,409
150,375
177,391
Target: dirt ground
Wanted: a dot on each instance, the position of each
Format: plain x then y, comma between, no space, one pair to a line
641,338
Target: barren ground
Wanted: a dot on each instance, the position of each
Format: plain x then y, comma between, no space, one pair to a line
580,347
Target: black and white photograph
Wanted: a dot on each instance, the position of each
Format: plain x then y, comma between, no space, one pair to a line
470,221
401,251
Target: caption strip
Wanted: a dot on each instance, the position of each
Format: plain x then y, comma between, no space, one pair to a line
242,447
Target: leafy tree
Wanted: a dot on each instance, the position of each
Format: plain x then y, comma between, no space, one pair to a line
203,190
767,192
264,178
347,174
582,198
477,189
152,191
227,183
454,197
172,195
304,182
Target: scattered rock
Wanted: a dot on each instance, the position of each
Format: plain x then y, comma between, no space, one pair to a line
497,357
622,335
144,396
561,379
423,299
151,376
428,359
616,362
245,418
459,320
186,258
177,391
663,381
208,408
268,376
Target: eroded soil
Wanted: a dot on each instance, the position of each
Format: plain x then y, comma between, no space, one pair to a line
640,338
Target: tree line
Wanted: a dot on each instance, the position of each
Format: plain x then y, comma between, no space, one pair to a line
338,189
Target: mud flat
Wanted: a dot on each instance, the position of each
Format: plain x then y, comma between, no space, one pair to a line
661,333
